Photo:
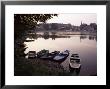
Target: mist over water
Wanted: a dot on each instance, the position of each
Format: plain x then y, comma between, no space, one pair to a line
84,45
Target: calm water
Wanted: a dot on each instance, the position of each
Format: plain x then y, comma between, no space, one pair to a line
84,45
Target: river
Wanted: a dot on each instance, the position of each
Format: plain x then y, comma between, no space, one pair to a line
84,45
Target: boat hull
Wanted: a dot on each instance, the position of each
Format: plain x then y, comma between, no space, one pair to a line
31,54
74,67
61,59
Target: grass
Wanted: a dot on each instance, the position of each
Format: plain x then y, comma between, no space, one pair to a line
38,67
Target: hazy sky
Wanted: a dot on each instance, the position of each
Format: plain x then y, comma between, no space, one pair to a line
74,19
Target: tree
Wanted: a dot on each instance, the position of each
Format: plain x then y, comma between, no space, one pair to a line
31,19
22,22
54,26
82,26
94,25
46,26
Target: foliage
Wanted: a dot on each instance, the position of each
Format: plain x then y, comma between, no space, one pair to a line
32,19
38,67
54,26
94,25
24,22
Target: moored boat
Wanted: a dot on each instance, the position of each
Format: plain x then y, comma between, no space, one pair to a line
28,40
42,53
32,54
74,61
50,55
61,56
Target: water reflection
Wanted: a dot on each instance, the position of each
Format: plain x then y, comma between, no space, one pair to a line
90,37
53,36
75,71
84,45
83,37
46,36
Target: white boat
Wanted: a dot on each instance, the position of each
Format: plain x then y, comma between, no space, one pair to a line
74,61
32,54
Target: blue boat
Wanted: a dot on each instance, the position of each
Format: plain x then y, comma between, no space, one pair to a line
61,56
50,55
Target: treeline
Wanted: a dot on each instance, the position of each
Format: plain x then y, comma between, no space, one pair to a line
24,22
92,26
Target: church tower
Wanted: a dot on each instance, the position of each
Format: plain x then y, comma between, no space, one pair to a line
81,22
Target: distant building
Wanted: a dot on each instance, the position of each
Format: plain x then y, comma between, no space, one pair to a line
91,28
66,27
83,25
88,28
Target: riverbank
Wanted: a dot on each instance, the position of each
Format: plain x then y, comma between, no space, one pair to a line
68,32
32,67
38,67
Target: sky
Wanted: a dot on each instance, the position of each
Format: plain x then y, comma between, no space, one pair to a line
74,19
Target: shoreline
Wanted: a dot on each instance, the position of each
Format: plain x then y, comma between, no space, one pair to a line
39,67
35,67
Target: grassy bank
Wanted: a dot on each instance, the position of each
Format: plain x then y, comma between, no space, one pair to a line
31,67
38,67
